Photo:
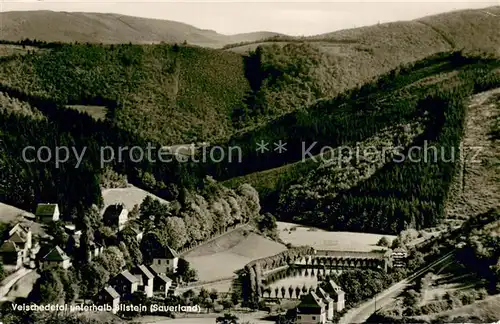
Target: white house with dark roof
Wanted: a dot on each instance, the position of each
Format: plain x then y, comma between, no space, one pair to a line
18,249
56,257
125,283
328,303
337,294
21,235
115,216
47,213
311,310
165,261
109,296
146,279
161,284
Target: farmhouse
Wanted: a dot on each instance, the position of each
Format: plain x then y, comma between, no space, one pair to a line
311,310
165,261
116,216
56,258
109,296
145,278
47,213
125,283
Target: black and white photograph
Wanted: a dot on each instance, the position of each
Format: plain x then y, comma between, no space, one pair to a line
249,162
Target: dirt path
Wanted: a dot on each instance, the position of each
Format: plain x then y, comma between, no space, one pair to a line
477,187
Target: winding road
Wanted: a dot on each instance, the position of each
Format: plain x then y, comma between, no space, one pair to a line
361,313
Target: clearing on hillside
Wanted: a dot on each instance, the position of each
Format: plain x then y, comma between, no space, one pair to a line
476,188
298,235
219,259
96,112
130,196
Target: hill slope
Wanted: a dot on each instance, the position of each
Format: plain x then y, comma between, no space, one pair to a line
110,28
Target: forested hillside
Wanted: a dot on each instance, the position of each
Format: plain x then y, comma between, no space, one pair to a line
294,91
171,94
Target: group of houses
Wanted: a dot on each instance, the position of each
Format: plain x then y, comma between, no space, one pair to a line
321,305
21,248
141,278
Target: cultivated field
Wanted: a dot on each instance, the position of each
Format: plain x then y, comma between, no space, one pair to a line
130,196
298,235
220,258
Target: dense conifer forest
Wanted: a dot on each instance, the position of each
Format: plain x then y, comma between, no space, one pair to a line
124,78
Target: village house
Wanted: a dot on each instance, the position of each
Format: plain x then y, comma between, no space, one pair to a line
162,284
115,216
165,261
95,249
11,254
146,279
328,303
311,310
47,213
18,247
21,235
56,258
125,283
337,294
109,296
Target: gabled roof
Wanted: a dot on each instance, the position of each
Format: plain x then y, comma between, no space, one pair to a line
111,292
130,277
56,254
311,300
323,295
18,228
9,246
333,288
166,253
145,271
163,278
17,238
46,209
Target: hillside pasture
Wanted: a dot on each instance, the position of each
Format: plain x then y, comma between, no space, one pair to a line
220,258
298,235
130,196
